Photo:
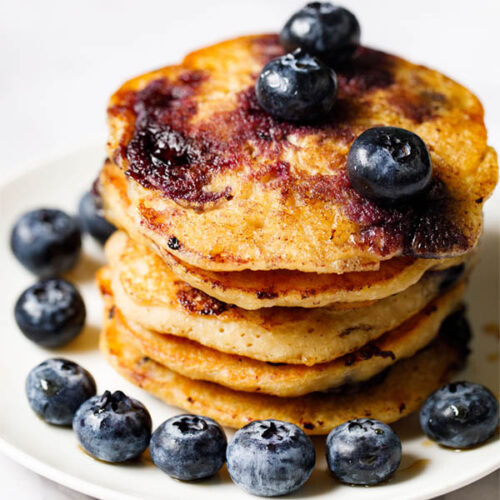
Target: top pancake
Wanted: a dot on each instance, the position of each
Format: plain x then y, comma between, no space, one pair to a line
223,186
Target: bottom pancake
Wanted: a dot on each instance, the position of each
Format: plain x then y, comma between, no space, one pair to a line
401,390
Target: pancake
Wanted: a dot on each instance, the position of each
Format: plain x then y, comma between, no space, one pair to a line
402,390
223,186
198,362
150,295
259,289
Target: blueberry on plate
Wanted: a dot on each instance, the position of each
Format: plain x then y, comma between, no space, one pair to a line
389,165
46,241
113,427
189,447
363,452
329,32
270,458
50,313
297,87
460,415
56,388
92,218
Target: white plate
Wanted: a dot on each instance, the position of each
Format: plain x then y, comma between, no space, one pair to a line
426,471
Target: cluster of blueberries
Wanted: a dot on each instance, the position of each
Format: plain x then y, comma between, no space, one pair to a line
266,457
48,243
388,165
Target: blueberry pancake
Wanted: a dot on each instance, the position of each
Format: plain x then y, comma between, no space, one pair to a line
223,186
297,218
242,373
388,397
151,297
259,289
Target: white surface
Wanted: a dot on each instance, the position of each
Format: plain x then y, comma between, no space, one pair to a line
60,61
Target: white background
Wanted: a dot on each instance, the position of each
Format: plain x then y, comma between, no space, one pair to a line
60,61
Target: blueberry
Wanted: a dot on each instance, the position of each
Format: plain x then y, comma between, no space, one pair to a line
92,218
457,332
270,458
46,241
363,452
451,276
56,388
50,313
297,87
460,415
113,427
389,165
189,447
329,32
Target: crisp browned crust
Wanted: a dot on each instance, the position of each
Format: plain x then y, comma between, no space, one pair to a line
223,186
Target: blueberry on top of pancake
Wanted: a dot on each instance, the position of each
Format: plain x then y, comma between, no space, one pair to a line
241,189
297,87
389,165
325,30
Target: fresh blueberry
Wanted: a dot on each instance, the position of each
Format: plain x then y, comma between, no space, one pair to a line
297,87
363,452
189,447
460,415
113,427
56,388
46,241
50,313
92,218
329,32
389,165
270,458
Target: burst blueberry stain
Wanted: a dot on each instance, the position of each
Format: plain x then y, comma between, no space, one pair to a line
173,243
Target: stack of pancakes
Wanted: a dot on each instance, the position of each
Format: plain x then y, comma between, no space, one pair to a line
248,279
